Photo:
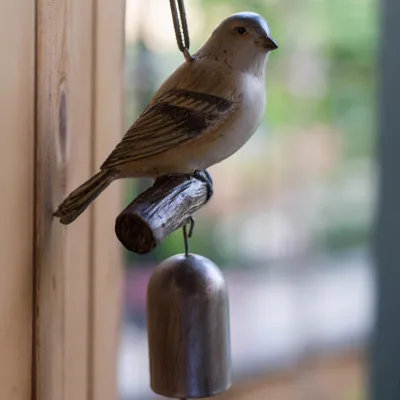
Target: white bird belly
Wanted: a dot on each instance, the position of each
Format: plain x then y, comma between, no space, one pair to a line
235,133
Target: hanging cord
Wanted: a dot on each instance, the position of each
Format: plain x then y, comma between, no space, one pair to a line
181,27
183,41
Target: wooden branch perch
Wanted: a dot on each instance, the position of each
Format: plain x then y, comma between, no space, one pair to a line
161,210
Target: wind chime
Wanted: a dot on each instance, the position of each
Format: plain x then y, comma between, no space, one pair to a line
187,301
187,306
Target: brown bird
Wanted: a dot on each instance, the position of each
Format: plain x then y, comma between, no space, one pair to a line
203,113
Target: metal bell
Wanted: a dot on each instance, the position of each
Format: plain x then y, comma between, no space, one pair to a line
188,328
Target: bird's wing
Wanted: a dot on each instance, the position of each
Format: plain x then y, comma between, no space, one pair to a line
177,117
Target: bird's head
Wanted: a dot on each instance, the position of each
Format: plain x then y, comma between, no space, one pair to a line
241,40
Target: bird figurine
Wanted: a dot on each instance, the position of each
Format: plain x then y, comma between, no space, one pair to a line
206,110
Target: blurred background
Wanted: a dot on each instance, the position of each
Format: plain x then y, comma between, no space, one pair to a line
291,217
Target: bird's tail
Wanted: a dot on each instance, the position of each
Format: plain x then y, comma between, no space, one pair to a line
77,202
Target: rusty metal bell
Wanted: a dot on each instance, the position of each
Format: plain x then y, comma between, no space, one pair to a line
188,328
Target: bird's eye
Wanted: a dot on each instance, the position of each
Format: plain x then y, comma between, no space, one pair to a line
240,30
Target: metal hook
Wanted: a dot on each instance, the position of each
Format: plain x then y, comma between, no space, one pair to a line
187,235
187,55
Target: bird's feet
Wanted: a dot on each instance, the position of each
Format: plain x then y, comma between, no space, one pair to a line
205,177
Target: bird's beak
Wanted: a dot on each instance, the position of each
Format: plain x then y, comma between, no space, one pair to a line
268,43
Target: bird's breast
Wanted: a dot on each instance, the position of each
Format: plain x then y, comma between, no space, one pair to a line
243,122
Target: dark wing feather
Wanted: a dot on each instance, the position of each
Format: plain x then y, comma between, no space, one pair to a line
177,117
